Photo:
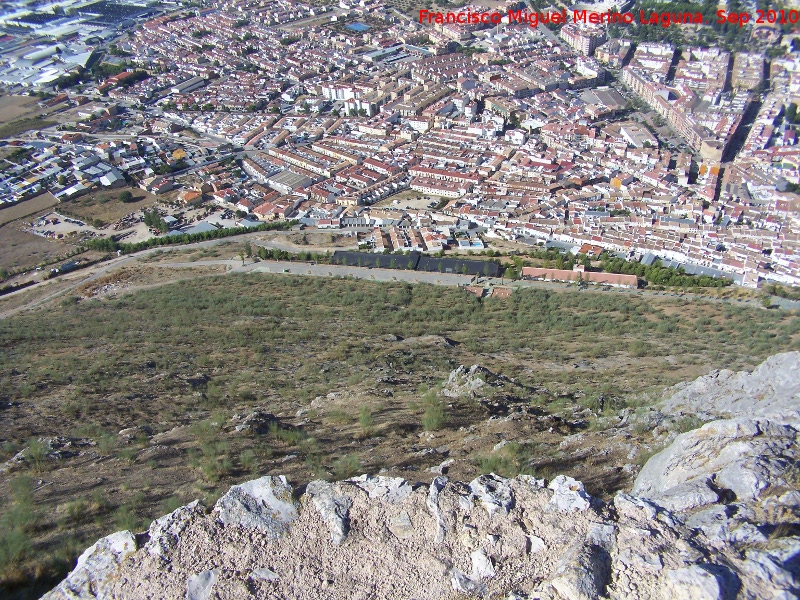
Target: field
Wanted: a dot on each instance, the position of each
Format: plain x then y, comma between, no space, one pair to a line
105,206
27,207
176,392
13,129
23,249
16,107
22,113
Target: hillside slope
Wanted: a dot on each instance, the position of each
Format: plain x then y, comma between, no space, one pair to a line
712,516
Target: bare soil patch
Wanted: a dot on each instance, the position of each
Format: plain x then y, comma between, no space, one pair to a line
137,277
16,107
27,207
20,248
320,239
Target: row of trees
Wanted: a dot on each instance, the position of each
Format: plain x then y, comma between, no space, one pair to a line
658,274
111,245
274,254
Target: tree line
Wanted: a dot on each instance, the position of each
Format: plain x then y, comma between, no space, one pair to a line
658,274
112,245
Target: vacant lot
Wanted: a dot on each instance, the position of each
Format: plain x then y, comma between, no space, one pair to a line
27,207
327,378
16,107
13,129
20,248
106,206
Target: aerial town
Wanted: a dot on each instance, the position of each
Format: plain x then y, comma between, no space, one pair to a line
376,299
413,135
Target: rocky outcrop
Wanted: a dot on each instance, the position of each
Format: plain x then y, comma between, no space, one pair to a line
772,390
712,516
364,538
264,504
729,460
98,568
46,450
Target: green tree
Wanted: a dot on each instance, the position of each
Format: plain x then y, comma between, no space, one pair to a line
791,113
125,196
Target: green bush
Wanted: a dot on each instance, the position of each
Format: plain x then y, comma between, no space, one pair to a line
346,466
365,418
433,417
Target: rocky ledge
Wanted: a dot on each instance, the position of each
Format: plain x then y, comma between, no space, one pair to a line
712,516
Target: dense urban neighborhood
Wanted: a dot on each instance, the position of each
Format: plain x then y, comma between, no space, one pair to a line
409,134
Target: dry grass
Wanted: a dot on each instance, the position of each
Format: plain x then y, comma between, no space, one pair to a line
23,249
27,207
105,206
15,107
192,359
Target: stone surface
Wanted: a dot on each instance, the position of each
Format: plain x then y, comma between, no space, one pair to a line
97,568
741,456
265,504
771,390
200,586
691,583
391,489
569,495
165,532
493,492
582,573
401,526
482,567
333,507
432,503
264,574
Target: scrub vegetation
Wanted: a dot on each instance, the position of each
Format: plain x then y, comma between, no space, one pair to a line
124,408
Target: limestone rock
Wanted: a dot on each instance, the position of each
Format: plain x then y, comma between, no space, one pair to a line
97,568
401,526
536,544
200,586
165,532
569,495
634,508
493,492
482,567
264,574
691,583
743,456
265,504
771,390
465,381
391,489
582,573
333,508
463,584
432,503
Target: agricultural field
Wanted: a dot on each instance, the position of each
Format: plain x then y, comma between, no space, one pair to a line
129,405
